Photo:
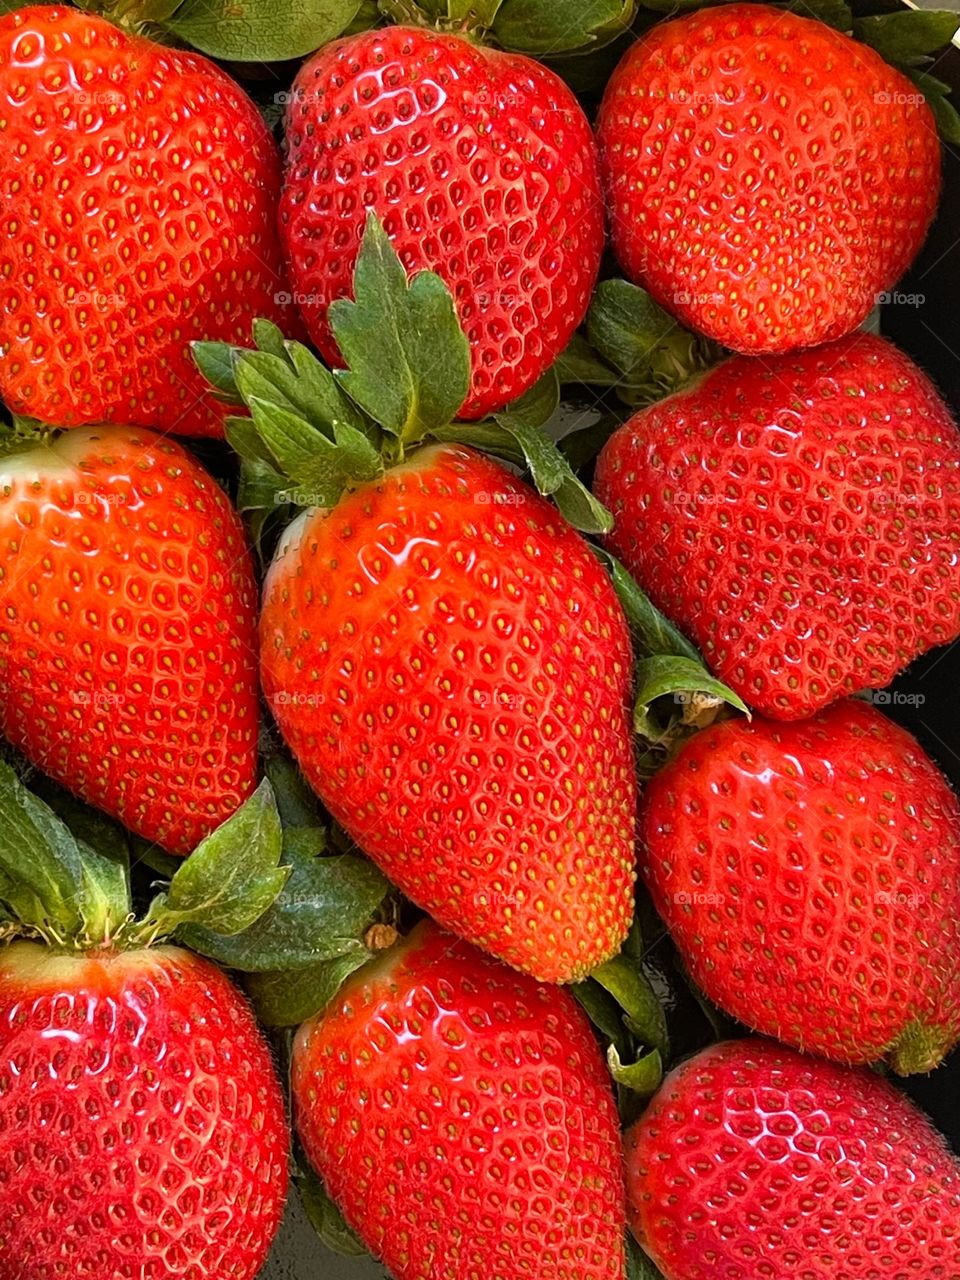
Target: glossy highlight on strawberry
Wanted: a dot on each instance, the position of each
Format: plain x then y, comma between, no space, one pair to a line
461,1115
810,876
798,517
128,630
482,167
450,666
139,191
142,1128
754,1161
768,176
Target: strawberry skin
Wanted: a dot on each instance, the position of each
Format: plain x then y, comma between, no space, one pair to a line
139,189
450,666
481,166
799,517
142,1128
462,1117
755,1162
810,876
128,630
767,175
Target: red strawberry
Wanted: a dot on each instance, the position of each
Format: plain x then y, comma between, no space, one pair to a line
481,166
462,1118
810,876
450,666
755,1162
767,175
142,1129
127,630
139,189
799,517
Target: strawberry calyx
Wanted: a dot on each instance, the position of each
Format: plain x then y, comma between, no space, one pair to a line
920,1049
313,433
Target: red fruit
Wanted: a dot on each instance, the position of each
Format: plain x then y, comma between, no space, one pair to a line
139,189
768,176
450,666
461,1116
482,167
810,876
142,1129
127,630
799,517
754,1162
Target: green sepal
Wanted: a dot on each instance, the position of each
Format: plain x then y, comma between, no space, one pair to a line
640,1077
908,37
580,365
215,362
320,914
260,30
687,682
653,632
323,1214
833,13
231,878
550,27
651,351
408,359
296,802
937,94
624,979
639,1266
289,997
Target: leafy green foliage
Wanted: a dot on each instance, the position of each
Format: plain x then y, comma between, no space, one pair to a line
325,1218
686,681
937,94
641,1077
288,997
639,1266
907,37
546,28
260,30
653,633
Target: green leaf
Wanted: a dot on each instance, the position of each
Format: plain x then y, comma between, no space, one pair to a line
40,864
296,803
602,1010
325,1218
287,998
295,380
320,913
834,13
550,27
623,978
686,680
268,338
639,1266
260,30
215,362
653,632
908,36
230,879
581,365
408,358
581,447
553,476
538,405
937,95
642,1077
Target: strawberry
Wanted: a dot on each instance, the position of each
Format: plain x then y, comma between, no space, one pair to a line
139,188
443,653
419,648
481,165
142,1126
128,630
799,517
461,1116
754,1161
810,876
767,175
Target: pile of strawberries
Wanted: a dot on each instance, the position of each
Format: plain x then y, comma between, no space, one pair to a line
361,743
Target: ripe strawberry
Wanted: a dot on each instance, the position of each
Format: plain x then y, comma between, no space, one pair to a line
450,666
142,1129
754,1161
139,188
462,1118
127,630
799,517
481,166
810,876
767,175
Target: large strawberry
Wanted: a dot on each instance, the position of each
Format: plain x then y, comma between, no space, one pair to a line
128,629
754,1161
799,517
142,1127
810,876
442,651
139,188
462,1117
482,167
767,175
